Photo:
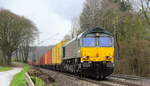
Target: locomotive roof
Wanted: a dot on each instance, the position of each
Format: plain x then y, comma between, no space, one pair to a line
95,30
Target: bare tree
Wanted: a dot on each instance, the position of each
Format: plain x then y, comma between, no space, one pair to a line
14,30
75,27
129,29
67,37
145,5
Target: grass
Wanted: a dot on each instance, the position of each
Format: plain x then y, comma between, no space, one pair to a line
55,84
19,79
2,69
38,81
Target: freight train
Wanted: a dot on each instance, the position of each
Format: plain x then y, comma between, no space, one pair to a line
89,54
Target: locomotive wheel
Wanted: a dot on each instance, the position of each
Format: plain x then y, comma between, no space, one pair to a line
100,77
103,77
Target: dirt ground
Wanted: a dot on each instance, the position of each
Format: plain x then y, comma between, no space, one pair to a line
16,64
45,77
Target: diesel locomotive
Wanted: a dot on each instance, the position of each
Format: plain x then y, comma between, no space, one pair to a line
89,54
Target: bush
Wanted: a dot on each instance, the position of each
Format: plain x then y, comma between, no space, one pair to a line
19,79
135,58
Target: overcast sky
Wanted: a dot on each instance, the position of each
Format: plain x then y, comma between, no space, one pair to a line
52,17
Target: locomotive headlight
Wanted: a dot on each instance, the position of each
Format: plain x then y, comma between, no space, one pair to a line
78,51
85,57
98,34
109,57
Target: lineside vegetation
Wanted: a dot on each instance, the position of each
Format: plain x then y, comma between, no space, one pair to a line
2,69
129,23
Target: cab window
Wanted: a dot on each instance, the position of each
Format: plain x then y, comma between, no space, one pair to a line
89,42
105,41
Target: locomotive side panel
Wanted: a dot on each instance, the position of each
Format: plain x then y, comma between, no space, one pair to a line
71,50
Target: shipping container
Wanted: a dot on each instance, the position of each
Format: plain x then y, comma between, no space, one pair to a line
30,62
38,62
57,52
53,55
49,57
43,60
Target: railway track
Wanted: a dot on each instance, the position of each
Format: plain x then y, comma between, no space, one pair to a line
141,81
66,79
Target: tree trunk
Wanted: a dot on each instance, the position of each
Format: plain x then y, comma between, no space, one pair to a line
17,57
9,59
4,59
117,46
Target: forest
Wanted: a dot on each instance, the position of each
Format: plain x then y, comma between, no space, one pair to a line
129,21
16,35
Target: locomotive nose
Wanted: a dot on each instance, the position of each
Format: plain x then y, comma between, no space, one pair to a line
97,55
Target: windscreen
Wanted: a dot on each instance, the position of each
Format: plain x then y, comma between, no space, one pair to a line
89,42
105,41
